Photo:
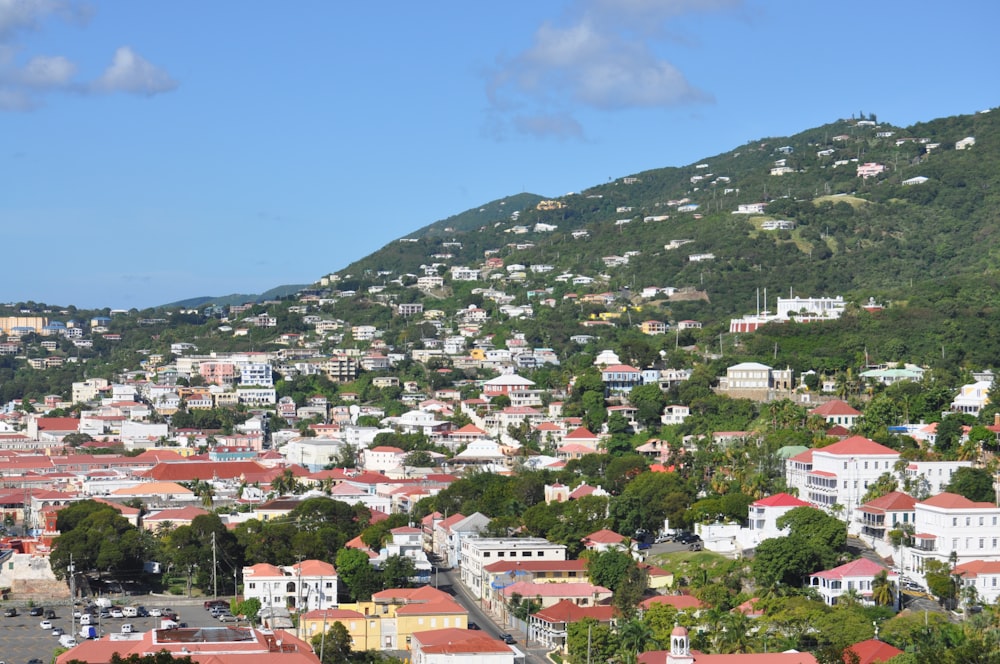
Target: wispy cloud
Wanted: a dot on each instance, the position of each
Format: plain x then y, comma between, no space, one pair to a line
601,56
26,84
130,72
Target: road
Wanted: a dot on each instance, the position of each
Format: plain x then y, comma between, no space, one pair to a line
452,583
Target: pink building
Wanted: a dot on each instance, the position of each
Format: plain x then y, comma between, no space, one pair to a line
217,373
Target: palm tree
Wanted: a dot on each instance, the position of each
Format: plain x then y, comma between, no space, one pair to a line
882,590
850,599
635,636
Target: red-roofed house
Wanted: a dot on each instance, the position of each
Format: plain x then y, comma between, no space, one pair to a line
549,594
549,626
949,523
619,379
459,646
857,575
310,584
984,576
605,540
871,651
762,524
877,517
839,474
839,412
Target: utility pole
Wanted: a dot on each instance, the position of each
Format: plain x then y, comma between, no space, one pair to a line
215,587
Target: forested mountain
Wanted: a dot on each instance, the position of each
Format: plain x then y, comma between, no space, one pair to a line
927,248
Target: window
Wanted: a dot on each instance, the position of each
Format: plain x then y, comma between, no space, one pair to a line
252,585
954,521
981,521
968,520
526,554
486,554
845,465
982,543
866,465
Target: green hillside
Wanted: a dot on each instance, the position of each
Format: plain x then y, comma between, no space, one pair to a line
931,247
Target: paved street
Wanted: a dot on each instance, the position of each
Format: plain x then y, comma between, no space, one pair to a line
533,655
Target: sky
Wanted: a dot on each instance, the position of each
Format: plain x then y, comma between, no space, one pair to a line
156,151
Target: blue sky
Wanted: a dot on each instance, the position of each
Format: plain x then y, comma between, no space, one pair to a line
156,151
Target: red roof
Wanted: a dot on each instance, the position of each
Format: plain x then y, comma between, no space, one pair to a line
567,611
871,651
502,566
953,501
456,641
835,407
58,424
803,457
604,536
204,470
781,500
862,567
679,602
896,501
621,368
856,446
974,568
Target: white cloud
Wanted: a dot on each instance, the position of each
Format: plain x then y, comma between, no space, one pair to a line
48,71
130,72
561,125
25,85
601,57
18,15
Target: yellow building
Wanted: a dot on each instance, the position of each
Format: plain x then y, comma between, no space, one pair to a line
357,625
391,617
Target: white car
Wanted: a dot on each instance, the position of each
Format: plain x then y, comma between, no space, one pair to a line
117,613
45,624
155,613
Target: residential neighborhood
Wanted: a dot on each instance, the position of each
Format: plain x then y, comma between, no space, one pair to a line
511,456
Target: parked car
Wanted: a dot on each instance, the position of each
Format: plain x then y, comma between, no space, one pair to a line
11,612
36,611
221,603
155,613
45,624
50,614
473,625
117,613
227,617
58,631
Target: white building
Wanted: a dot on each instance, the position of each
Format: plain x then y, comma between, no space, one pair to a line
972,398
762,524
839,474
478,552
257,374
949,523
308,586
982,575
857,575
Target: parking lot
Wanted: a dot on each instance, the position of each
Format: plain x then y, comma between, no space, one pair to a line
21,638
